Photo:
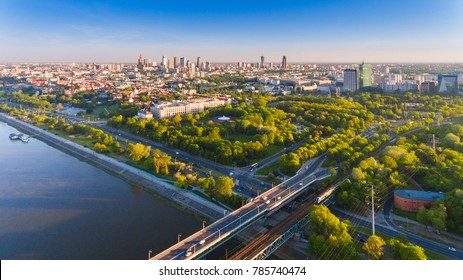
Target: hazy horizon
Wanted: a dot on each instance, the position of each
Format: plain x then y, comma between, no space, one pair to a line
84,31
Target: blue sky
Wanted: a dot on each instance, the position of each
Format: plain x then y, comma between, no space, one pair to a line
231,31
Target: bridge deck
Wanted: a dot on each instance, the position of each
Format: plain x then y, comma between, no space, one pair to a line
213,235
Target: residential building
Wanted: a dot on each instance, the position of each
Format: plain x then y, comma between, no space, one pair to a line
428,87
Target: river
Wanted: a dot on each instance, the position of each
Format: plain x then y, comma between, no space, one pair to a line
54,206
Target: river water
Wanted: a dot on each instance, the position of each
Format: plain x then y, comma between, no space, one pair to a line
54,206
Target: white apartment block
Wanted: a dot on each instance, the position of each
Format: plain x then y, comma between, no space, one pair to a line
169,109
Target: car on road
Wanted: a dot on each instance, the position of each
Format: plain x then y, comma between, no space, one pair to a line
176,153
452,249
188,252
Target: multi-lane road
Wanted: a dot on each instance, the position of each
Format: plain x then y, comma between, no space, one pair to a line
233,223
394,231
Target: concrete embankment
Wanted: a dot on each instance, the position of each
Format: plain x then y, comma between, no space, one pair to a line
133,175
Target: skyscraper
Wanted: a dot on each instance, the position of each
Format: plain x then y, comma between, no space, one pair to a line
170,63
192,70
448,83
365,73
350,80
199,61
262,59
182,61
175,62
283,62
141,63
164,61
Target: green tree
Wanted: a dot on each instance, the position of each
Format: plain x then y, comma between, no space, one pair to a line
438,215
224,186
406,251
454,203
329,237
422,216
138,151
357,174
374,247
208,185
177,119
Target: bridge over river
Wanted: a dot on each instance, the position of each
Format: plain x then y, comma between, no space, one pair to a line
203,241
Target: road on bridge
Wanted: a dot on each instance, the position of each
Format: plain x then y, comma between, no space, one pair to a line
221,230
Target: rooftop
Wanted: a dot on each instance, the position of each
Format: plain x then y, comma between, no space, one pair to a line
420,195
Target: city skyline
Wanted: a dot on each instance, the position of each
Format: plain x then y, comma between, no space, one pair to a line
335,32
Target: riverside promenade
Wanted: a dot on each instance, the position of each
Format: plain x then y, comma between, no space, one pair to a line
131,174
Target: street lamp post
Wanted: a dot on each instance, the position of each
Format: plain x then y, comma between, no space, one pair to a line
204,224
149,254
372,210
178,238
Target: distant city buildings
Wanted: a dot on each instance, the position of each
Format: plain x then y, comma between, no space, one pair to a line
350,80
144,81
262,60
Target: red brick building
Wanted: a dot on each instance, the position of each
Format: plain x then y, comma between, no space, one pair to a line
411,201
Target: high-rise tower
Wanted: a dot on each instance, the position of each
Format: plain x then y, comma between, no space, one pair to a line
283,62
365,75
350,80
175,62
141,63
262,60
164,61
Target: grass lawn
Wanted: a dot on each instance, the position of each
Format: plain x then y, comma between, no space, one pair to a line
257,189
273,149
411,216
267,169
96,112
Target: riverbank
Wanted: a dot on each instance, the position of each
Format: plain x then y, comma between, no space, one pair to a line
181,197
